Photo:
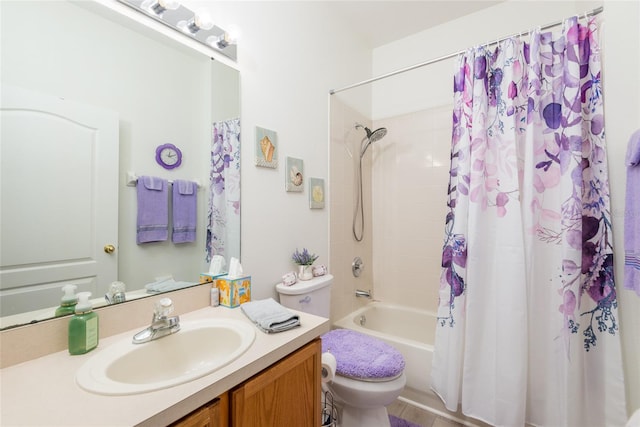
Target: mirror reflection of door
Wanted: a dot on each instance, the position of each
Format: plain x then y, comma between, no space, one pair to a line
56,156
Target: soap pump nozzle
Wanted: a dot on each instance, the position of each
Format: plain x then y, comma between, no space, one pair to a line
83,305
69,296
68,301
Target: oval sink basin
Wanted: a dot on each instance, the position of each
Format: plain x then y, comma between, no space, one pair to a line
199,348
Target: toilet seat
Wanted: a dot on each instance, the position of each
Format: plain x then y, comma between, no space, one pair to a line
362,357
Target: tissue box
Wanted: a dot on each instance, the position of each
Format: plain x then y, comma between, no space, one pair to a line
234,291
209,277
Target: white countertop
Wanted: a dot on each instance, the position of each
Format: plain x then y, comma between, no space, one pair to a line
43,391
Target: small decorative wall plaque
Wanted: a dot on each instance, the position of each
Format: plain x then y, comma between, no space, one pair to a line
266,148
316,193
294,174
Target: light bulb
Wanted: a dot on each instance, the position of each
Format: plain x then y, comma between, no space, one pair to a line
170,4
158,7
220,41
203,21
233,34
195,24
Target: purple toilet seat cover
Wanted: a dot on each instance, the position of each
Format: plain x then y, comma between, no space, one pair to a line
361,356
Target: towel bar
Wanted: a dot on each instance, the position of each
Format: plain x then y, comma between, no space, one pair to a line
132,180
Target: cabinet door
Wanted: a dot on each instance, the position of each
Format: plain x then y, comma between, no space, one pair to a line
285,394
213,414
198,418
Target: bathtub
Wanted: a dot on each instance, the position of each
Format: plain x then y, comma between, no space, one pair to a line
409,330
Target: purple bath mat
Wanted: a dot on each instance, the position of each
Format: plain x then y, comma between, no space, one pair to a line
399,422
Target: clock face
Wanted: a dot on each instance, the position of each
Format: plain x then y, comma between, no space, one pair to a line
168,156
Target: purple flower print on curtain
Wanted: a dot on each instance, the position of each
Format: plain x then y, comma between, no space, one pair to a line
527,318
224,187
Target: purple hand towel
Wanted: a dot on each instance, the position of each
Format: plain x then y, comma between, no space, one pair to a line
185,208
632,216
153,210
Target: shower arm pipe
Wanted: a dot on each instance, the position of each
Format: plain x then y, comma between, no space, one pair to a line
592,12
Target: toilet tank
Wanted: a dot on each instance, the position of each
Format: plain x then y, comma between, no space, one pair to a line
310,296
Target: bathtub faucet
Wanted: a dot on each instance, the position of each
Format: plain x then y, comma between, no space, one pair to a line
361,293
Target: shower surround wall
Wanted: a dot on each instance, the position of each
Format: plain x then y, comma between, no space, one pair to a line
344,153
410,173
405,178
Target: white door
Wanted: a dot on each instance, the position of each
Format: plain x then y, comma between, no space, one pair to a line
59,199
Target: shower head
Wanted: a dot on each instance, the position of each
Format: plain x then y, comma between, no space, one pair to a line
376,135
372,137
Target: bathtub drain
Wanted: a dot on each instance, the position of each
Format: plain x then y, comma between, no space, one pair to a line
363,320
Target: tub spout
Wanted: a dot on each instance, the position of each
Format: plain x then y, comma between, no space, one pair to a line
361,293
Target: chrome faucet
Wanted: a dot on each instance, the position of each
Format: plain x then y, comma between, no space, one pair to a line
161,324
361,293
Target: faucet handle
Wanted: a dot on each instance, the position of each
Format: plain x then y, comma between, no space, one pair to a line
163,308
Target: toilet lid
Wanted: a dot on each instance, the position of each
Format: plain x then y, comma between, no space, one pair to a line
362,356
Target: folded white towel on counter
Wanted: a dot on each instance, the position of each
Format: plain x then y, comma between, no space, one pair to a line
270,316
166,285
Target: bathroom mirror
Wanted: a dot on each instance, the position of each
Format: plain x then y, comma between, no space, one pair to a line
160,91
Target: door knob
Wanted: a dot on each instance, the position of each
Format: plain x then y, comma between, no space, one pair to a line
109,249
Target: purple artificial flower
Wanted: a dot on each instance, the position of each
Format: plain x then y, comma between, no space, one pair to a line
304,257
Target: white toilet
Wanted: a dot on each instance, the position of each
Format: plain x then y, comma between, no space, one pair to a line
369,373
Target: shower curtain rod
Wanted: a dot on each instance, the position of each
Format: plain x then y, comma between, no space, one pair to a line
592,12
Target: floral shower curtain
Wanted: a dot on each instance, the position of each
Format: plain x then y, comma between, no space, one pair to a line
224,190
527,320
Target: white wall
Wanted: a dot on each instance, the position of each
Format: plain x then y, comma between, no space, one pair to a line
423,89
290,55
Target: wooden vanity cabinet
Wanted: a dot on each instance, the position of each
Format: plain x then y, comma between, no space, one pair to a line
285,394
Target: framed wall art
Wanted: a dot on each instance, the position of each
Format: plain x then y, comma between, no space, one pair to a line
316,193
266,148
294,174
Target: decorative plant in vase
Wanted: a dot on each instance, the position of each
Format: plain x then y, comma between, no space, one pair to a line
305,261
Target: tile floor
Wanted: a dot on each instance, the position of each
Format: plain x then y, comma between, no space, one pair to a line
419,416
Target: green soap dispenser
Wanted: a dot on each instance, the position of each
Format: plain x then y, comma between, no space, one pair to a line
68,301
83,327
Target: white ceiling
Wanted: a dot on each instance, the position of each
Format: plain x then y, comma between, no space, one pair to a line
381,22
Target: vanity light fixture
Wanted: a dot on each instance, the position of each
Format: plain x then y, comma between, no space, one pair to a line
196,26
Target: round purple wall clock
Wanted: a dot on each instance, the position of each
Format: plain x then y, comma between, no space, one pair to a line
168,156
